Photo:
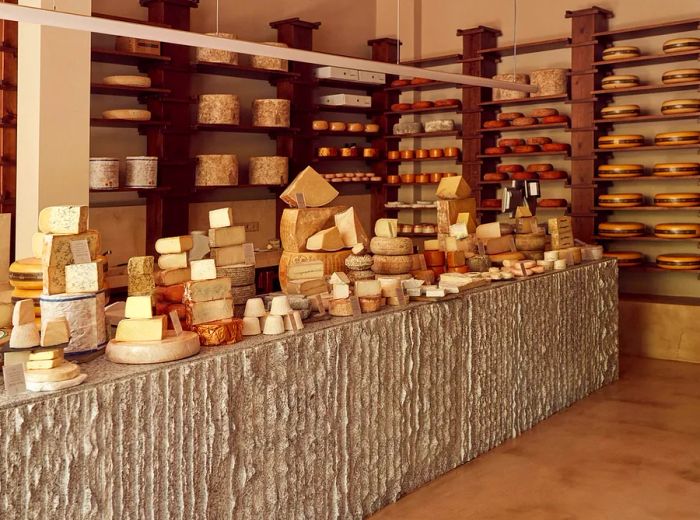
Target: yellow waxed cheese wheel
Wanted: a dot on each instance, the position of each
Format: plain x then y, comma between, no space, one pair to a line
681,45
677,200
26,274
676,169
680,106
680,76
620,141
620,52
676,138
625,258
678,261
677,230
620,171
620,81
620,200
621,229
615,111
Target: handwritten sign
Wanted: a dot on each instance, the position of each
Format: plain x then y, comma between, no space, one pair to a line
14,378
318,303
80,251
356,309
301,200
481,248
400,296
176,322
249,253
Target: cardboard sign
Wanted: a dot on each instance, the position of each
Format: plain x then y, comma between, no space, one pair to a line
14,378
301,200
249,253
176,322
356,309
292,321
401,296
80,251
522,269
481,248
318,302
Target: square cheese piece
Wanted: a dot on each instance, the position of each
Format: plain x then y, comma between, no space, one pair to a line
169,277
227,236
149,329
170,245
43,364
63,220
173,261
138,307
84,278
208,290
230,255
54,332
40,355
221,218
203,269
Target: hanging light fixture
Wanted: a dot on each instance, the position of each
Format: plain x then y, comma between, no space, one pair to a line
149,32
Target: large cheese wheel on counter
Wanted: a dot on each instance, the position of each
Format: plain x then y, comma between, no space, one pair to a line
679,261
332,262
391,246
398,264
297,225
677,200
26,274
170,348
530,241
620,200
625,258
676,169
621,229
677,230
620,171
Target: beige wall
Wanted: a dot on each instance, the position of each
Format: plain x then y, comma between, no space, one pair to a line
433,32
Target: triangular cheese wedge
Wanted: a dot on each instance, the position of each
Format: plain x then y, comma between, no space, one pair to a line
316,190
350,227
451,188
326,240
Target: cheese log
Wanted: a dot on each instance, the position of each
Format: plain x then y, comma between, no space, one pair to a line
207,290
24,336
451,188
138,307
291,268
41,355
307,287
297,225
84,278
43,364
449,210
326,240
63,220
172,261
23,313
398,264
64,372
227,256
350,228
148,329
57,255
221,218
227,236
37,244
386,228
169,277
316,190
170,245
203,269
368,288
391,246
204,312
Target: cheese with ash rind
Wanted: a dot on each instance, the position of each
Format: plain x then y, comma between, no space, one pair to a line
207,290
326,240
221,218
145,329
204,312
227,255
84,278
391,246
138,307
316,190
350,227
24,336
63,220
170,245
86,318
297,225
452,188
173,261
203,269
386,228
227,236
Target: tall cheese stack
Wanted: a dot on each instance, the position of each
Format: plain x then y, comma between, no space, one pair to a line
393,258
455,206
174,271
359,264
316,239
499,242
25,277
70,289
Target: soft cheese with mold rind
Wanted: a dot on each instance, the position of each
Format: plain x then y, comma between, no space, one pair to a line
63,220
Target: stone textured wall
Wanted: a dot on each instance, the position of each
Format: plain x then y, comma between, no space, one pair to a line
333,422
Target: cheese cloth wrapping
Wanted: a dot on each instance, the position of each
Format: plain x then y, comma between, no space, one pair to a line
86,318
223,332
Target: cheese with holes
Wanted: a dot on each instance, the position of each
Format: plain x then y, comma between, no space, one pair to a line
57,255
227,236
41,355
145,329
203,269
24,336
449,210
368,288
326,240
37,244
207,290
84,278
221,218
297,225
299,266
391,246
170,277
169,245
138,307
227,255
86,318
316,190
23,312
350,228
63,220
398,264
204,312
173,261
386,228
451,188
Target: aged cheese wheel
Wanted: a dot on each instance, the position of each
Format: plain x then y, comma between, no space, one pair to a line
509,116
370,303
550,82
511,142
398,264
128,81
242,294
496,124
549,120
620,52
359,262
524,121
269,170
590,253
268,63
543,167
620,141
447,102
421,104
676,169
530,241
621,229
553,175
391,246
297,225
26,274
552,203
400,82
539,140
217,55
533,255
620,81
127,114
675,230
341,307
367,274
510,168
496,176
681,45
677,200
680,76
555,147
625,258
219,109
496,150
679,261
620,200
680,106
543,112
434,258
620,171
216,170
504,93
399,107
332,262
521,176
616,111
170,348
675,138
271,112
526,148
510,255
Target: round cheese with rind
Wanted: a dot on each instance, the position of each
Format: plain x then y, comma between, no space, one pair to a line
391,246
397,264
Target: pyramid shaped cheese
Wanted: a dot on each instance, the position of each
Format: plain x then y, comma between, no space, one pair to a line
316,190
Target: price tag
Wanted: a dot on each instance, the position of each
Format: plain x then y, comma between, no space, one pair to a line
176,322
400,295
292,322
481,248
522,269
14,378
249,253
356,309
318,302
80,251
301,200
421,260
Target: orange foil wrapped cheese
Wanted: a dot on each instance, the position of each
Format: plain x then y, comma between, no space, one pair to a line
222,332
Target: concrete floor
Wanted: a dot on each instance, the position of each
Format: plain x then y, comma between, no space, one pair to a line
629,451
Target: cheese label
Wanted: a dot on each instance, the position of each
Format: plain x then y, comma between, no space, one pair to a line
355,303
292,322
301,200
400,296
14,378
481,248
318,303
513,249
249,253
522,269
177,326
80,251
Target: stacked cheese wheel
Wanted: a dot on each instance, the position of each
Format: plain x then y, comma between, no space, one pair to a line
542,116
392,254
542,171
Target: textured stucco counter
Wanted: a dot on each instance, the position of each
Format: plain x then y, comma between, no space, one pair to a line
332,422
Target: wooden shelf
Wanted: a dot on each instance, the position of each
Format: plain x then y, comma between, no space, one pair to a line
127,58
333,159
130,20
526,101
124,189
433,85
272,187
397,161
120,90
242,129
431,110
487,183
8,49
123,123
647,119
646,208
417,235
652,59
647,89
648,178
434,61
525,128
411,184
530,154
644,31
242,71
345,133
489,210
653,268
649,148
528,47
645,238
347,85
344,109
421,135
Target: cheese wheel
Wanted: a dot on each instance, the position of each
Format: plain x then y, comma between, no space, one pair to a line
170,348
620,171
509,168
680,76
552,203
358,262
510,255
625,258
678,261
620,141
616,111
421,104
508,116
620,52
511,142
400,82
548,120
496,124
332,262
621,229
680,106
555,147
677,231
367,274
524,121
447,102
496,150
521,176
543,112
62,372
676,169
491,203
434,258
539,140
26,274
391,246
458,269
677,200
553,175
530,241
681,45
397,264
620,81
496,176
541,167
127,114
526,148
620,200
676,138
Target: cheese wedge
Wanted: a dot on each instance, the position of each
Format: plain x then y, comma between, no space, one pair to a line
326,240
149,329
63,372
24,336
173,261
221,218
307,287
227,236
451,188
488,231
43,364
339,278
23,313
449,210
297,225
350,228
138,307
41,355
84,278
63,220
316,190
386,228
203,269
169,245
230,255
54,332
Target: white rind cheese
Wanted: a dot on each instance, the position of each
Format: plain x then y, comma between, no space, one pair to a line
203,269
86,318
170,245
221,218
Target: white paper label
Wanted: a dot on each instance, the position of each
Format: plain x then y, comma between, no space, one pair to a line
176,322
14,378
249,253
80,251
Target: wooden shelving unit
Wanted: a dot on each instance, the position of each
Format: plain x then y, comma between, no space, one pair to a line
8,126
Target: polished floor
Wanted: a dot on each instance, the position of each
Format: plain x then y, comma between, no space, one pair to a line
629,451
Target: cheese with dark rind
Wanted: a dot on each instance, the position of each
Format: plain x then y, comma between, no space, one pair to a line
621,229
680,106
680,76
677,230
26,274
620,81
676,138
620,171
620,141
238,274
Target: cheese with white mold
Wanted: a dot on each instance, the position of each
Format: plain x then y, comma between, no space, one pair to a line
63,220
220,218
203,269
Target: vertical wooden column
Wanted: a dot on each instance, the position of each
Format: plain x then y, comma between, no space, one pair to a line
8,121
474,64
584,107
167,212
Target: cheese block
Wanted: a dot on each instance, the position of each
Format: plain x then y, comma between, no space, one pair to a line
227,256
618,52
681,45
500,245
138,307
207,290
451,188
307,287
680,76
242,294
620,141
204,312
221,218
434,258
679,261
368,288
63,220
676,169
389,286
620,200
26,274
220,332
140,265
57,255
619,81
203,269
84,278
170,348
621,229
295,266
680,106
677,200
625,258
391,246
449,210
37,244
617,111
173,261
43,355
63,372
238,274
316,190
144,329
23,313
25,336
620,171
500,257
455,258
169,245
43,364
86,318
227,236
297,225
386,228
488,231
676,138
677,230
431,245
398,264
370,303
530,241
170,277
350,228
326,240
